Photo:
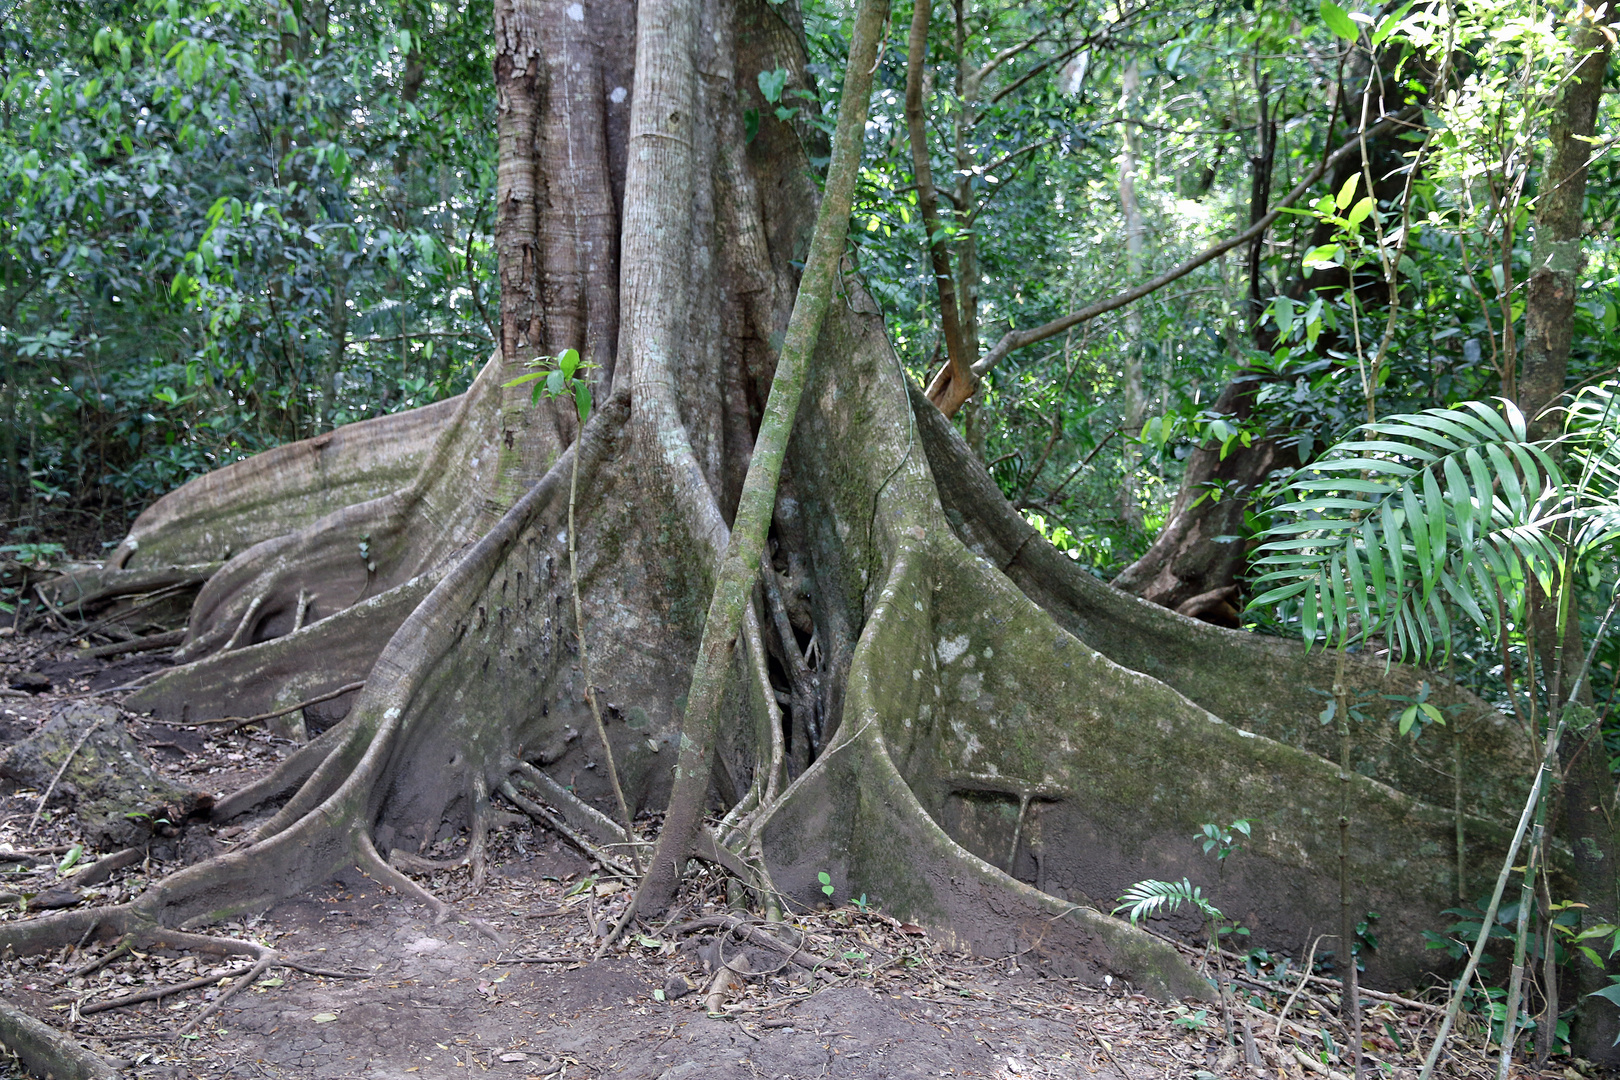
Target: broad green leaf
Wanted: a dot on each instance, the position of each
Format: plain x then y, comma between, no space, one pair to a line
1348,191
1336,19
771,84
1388,23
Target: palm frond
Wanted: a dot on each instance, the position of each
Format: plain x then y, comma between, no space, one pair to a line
1148,898
1413,517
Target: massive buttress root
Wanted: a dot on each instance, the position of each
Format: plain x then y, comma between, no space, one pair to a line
982,738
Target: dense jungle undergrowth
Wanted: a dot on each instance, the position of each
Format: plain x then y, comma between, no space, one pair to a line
739,563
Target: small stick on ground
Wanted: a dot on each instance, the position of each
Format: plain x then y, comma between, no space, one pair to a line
135,645
322,973
561,828
755,935
1304,974
1109,1050
119,950
157,992
243,626
45,798
25,854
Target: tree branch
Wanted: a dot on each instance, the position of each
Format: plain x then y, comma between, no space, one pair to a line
1019,338
955,380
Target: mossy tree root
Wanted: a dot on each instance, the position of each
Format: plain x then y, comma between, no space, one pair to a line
327,822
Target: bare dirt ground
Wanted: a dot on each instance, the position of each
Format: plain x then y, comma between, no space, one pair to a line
377,989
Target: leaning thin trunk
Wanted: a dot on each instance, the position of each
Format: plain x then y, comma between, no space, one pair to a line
735,589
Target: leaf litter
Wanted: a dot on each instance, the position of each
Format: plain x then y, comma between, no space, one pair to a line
364,984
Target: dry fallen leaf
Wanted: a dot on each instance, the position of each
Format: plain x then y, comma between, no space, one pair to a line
324,1018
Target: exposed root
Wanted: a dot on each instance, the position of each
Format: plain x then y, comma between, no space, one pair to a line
284,778
146,603
561,828
45,1051
236,722
89,590
403,860
106,866
267,958
150,643
377,867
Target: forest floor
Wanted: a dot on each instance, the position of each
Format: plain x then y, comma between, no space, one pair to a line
403,997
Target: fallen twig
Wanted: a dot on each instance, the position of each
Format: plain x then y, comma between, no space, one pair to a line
157,992
1315,1066
1304,972
1081,1025
561,828
232,990
134,645
756,935
45,798
24,854
121,949
323,973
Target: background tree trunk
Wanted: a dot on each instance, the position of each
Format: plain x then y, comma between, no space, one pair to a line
1588,803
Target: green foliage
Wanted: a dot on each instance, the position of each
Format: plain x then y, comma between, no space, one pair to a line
230,226
1448,510
559,376
1146,899
1193,1021
1222,842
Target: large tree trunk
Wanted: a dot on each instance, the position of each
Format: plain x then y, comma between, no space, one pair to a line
990,741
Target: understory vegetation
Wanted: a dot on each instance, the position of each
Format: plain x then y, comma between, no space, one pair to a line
1300,320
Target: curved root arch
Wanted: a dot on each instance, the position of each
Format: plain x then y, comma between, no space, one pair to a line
205,521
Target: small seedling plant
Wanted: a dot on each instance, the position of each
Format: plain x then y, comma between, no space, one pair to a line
1151,897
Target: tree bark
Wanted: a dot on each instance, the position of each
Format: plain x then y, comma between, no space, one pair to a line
956,382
